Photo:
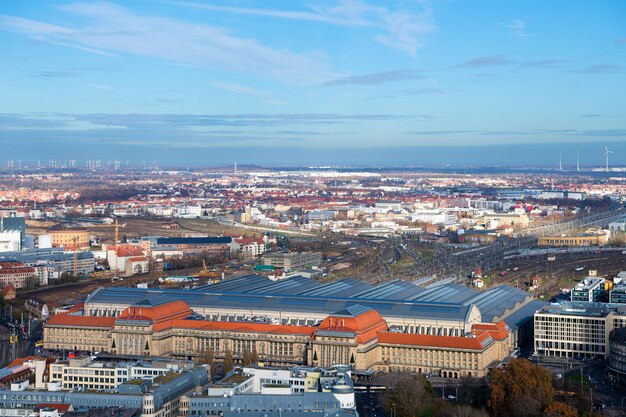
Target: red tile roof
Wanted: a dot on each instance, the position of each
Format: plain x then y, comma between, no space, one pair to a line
66,319
62,408
454,342
241,327
20,361
160,314
366,325
498,331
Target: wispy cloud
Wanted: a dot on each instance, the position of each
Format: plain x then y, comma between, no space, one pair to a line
111,30
517,28
376,78
621,41
487,61
403,28
593,115
598,69
543,64
54,74
407,92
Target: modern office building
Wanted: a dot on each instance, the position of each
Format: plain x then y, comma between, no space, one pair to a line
617,354
292,260
254,390
577,329
92,373
589,290
617,295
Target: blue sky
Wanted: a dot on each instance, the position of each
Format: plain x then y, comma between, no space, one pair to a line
278,82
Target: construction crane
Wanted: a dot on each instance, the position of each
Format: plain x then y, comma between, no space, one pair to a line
75,240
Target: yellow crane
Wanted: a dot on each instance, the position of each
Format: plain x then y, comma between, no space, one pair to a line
75,240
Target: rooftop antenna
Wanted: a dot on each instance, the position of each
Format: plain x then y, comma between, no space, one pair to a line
606,155
577,161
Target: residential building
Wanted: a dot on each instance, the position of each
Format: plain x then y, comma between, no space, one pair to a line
250,248
62,261
16,274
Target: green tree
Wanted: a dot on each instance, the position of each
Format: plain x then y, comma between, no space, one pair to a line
520,389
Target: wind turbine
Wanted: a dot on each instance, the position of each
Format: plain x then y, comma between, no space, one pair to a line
606,155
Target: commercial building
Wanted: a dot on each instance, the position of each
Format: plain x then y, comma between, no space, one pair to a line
586,239
151,397
188,245
13,224
357,336
588,290
617,354
69,236
292,260
617,228
617,295
10,240
577,329
56,259
93,373
254,390
395,326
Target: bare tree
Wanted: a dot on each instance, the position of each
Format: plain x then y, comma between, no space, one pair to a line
407,395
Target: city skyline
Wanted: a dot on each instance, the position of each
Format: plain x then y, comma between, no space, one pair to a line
338,82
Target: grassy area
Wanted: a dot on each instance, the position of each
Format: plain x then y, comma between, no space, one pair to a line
403,263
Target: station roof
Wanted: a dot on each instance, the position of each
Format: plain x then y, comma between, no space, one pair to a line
300,294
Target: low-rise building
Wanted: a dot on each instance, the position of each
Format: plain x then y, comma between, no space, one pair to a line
292,260
16,274
588,290
258,390
585,239
92,373
150,397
